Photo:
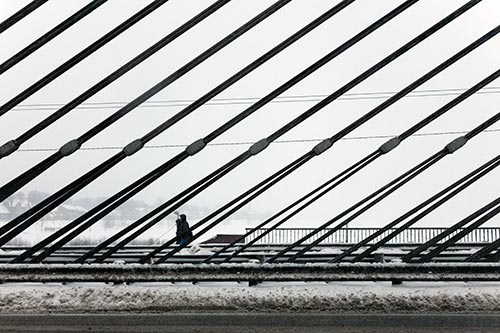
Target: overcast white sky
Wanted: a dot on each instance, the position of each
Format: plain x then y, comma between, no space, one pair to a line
292,17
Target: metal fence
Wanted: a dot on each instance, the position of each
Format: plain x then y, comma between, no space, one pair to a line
355,235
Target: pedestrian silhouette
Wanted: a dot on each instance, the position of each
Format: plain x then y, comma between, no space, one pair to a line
183,233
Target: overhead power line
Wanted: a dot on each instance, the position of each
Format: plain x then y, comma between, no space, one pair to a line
249,143
251,100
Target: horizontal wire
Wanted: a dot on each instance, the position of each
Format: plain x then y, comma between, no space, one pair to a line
249,100
248,143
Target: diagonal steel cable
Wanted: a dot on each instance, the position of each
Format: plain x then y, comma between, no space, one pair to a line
338,179
133,147
433,241
483,168
196,145
73,145
392,186
486,250
57,30
387,147
381,231
81,56
482,216
13,145
326,144
451,190
22,13
274,181
393,234
88,219
378,195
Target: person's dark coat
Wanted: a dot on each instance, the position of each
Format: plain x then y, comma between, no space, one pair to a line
183,230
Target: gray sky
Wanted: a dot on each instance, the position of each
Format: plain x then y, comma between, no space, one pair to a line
292,17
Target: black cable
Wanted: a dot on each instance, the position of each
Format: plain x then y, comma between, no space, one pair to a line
399,95
23,12
322,61
449,149
496,256
108,203
379,64
75,144
424,213
13,145
81,56
388,189
169,211
400,138
351,84
462,233
483,252
336,180
57,30
414,210
248,69
433,241
482,170
470,135
179,200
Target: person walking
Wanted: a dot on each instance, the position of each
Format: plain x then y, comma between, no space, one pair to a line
184,233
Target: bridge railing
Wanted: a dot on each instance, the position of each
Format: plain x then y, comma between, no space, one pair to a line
355,235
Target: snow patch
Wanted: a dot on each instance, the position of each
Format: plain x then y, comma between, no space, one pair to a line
339,297
197,249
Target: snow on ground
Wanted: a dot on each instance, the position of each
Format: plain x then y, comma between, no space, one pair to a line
338,297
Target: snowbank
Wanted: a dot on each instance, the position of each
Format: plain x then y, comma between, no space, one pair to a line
279,297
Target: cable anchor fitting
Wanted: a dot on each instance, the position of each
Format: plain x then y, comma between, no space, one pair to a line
133,147
8,148
258,146
455,144
70,147
389,145
195,147
323,146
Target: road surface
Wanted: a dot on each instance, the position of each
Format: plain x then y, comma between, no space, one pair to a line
221,323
